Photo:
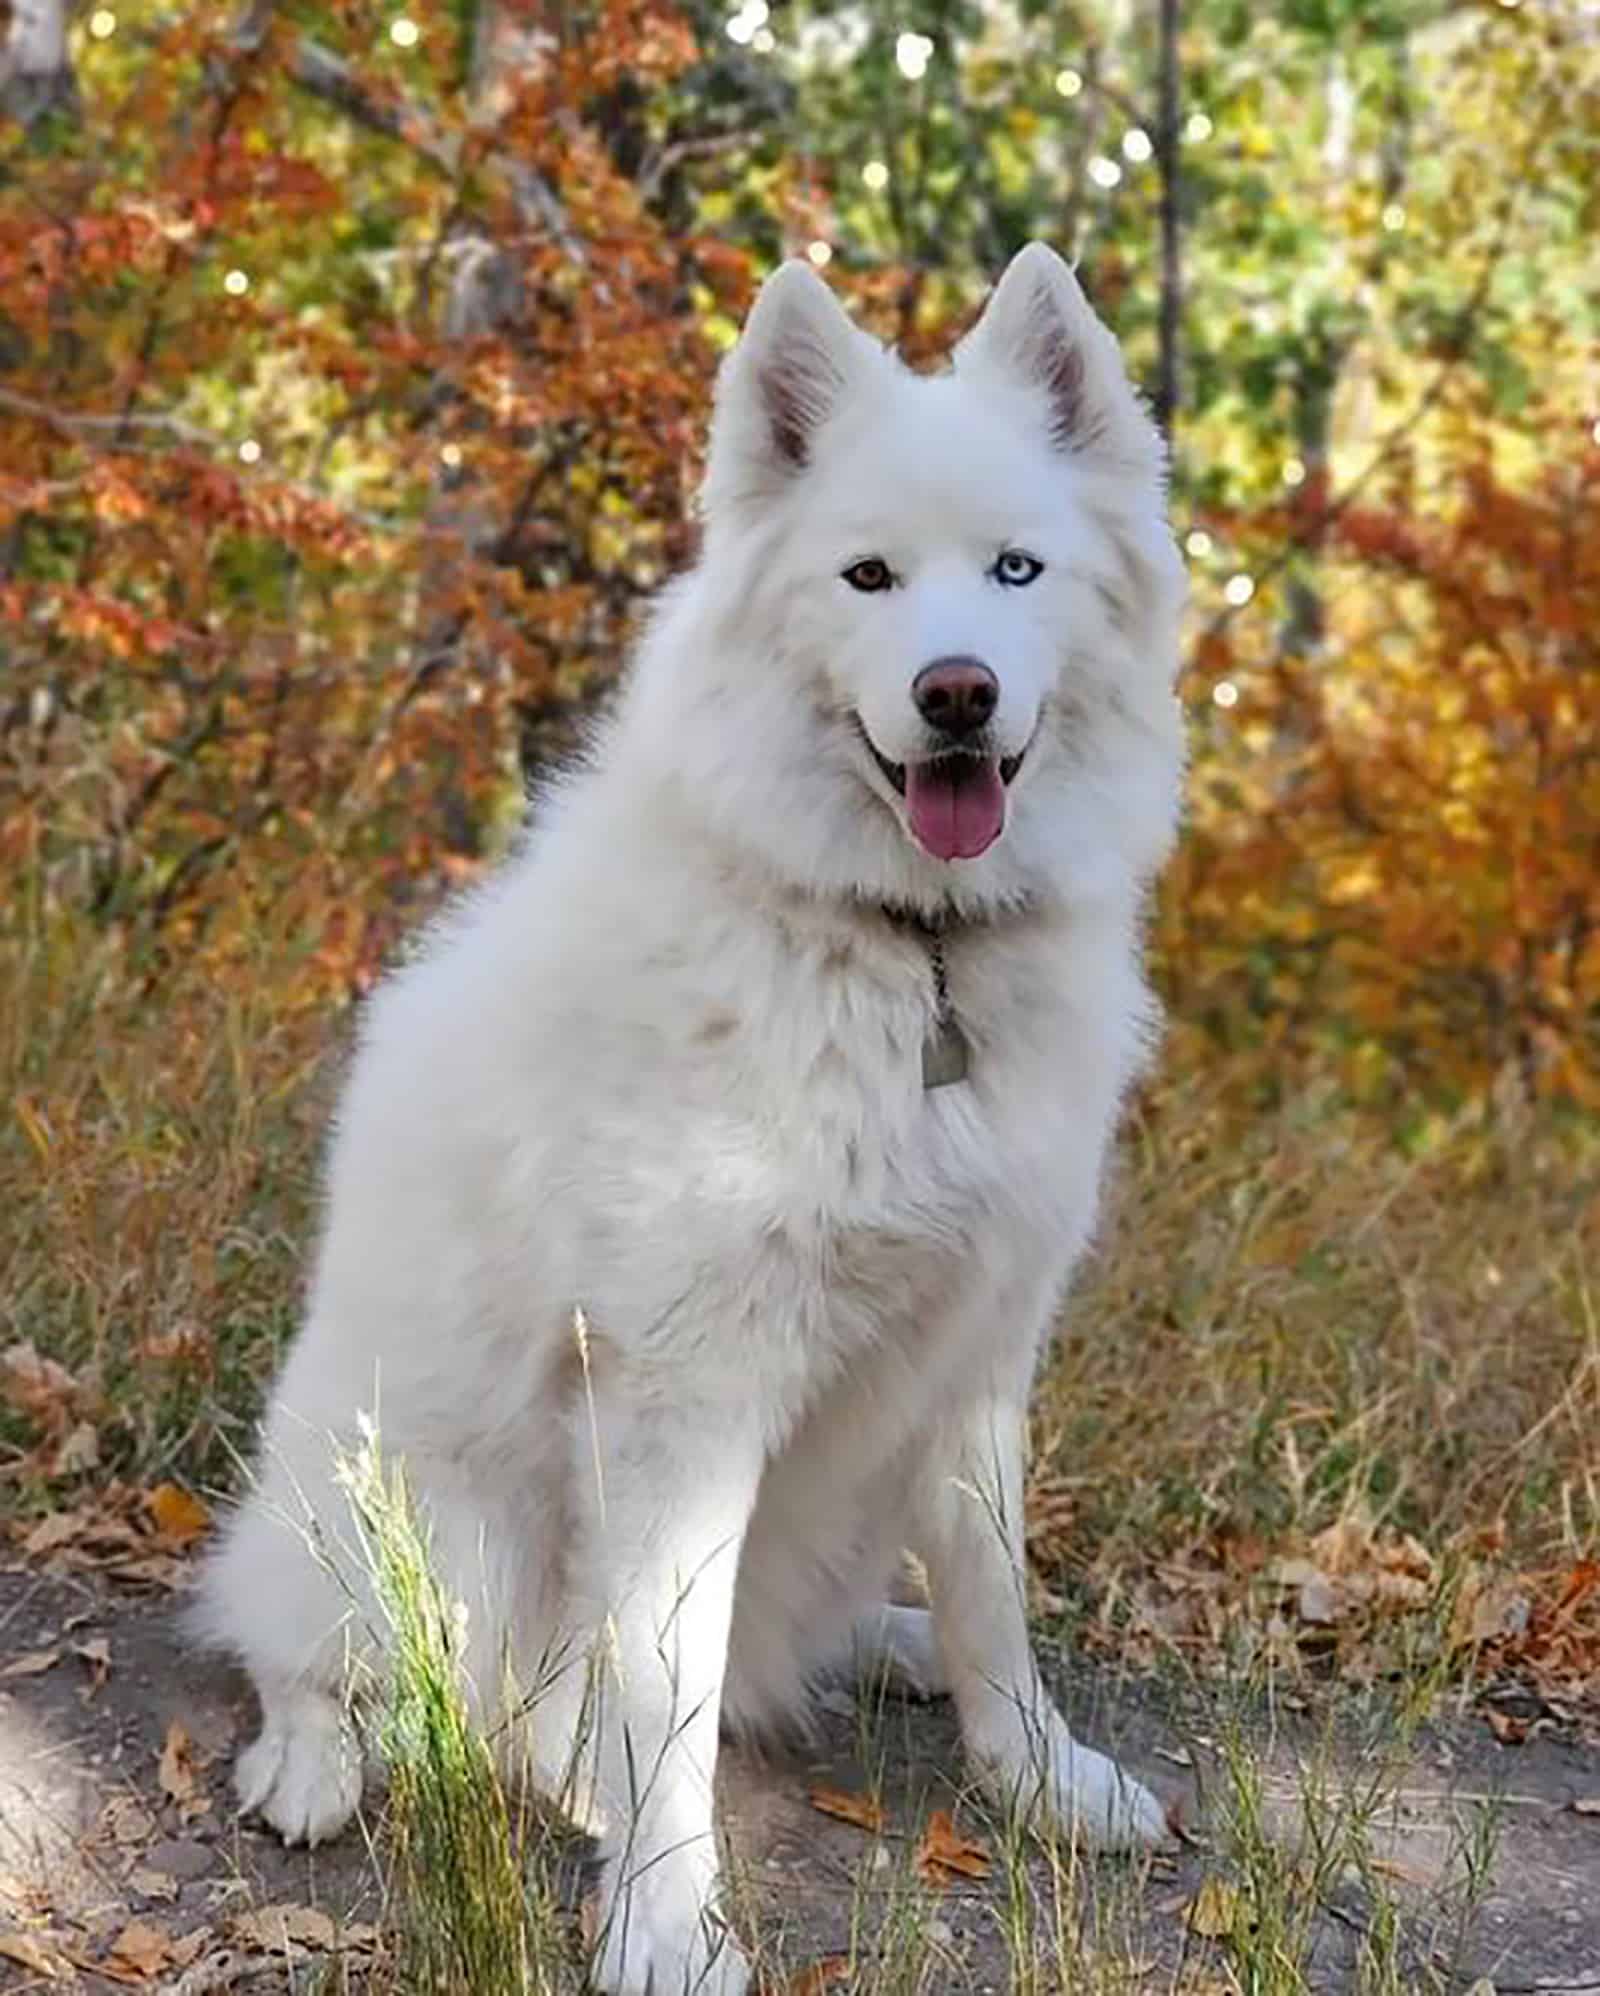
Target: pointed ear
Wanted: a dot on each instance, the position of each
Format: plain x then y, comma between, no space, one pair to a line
1040,329
797,360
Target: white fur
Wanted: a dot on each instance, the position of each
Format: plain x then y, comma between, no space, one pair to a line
686,1305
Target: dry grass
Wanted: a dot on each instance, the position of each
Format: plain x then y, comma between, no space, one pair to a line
1294,1323
1292,1318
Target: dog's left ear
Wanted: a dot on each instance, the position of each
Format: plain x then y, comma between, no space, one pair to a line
1039,326
798,360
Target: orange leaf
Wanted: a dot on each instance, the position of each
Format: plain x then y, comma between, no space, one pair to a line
945,1855
865,1811
178,1773
814,1979
139,1950
178,1515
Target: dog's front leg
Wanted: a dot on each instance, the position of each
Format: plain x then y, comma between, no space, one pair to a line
968,1517
667,1502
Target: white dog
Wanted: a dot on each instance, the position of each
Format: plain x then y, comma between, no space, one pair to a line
704,1195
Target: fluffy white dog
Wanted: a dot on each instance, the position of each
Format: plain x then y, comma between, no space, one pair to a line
705,1192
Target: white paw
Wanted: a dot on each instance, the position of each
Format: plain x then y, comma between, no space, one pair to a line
303,1773
899,1644
1093,1798
657,1940
1082,1792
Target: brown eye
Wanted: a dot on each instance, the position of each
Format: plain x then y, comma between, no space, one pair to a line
869,576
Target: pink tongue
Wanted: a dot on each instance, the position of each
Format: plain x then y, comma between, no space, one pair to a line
957,805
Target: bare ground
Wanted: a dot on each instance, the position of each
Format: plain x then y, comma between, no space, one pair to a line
122,1864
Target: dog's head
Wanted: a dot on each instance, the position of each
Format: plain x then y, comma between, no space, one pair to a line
965,584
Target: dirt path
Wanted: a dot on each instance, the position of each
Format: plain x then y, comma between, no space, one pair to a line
122,1865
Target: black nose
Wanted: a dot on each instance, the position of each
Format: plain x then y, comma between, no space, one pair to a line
956,695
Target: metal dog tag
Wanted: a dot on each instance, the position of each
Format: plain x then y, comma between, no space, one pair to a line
945,1055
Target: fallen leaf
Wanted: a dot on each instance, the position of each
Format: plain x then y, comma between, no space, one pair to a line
178,1515
945,1855
865,1811
96,1653
179,1772
1487,1609
32,1663
59,1529
125,1820
1507,1729
78,1450
274,1929
27,1952
1391,1867
1318,1601
140,1950
157,1570
1217,1910
814,1978
37,1385
152,1884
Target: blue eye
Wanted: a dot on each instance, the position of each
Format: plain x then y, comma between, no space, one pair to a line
1016,569
869,576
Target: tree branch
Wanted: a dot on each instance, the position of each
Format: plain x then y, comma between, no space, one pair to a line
324,75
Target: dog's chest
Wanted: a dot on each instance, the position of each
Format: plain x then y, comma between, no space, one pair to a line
928,1098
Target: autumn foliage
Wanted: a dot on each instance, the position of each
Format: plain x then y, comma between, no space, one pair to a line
350,405
341,428
1393,853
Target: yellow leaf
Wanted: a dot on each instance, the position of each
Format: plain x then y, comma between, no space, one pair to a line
1217,1910
34,1955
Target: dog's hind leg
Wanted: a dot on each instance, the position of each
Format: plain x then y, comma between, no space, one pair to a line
898,1646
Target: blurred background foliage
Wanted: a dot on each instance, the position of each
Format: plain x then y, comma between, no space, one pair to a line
353,366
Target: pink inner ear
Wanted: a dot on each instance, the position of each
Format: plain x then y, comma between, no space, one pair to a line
1063,373
783,399
798,384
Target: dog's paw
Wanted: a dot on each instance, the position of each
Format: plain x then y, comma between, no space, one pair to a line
1056,1782
898,1645
303,1772
657,1942
1093,1798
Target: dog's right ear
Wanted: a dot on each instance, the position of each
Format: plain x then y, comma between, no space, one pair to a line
797,360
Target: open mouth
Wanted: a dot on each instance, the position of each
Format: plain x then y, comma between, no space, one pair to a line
955,801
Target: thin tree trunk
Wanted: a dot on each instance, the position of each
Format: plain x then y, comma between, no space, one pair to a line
1170,368
35,67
